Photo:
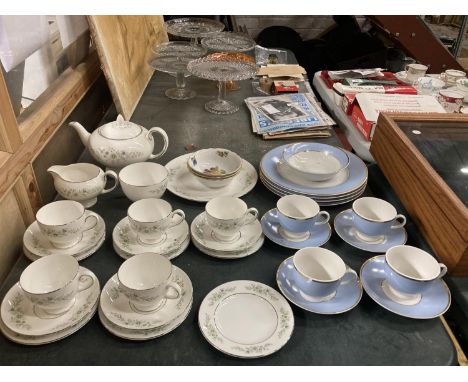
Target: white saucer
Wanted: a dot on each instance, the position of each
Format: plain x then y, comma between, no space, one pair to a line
17,311
169,255
47,338
246,319
116,307
143,334
126,244
78,257
230,255
203,234
186,185
37,245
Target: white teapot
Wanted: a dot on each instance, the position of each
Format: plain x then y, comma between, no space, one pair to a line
120,143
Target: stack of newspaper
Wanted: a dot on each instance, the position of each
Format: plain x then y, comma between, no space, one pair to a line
295,115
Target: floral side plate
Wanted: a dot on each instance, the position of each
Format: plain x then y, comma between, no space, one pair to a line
169,255
186,185
231,255
17,312
143,334
37,244
79,256
47,338
116,307
126,244
246,319
203,234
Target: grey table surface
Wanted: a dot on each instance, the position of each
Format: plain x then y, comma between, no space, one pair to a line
367,335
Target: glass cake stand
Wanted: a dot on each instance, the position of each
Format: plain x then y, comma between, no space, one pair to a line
229,42
193,28
173,57
223,67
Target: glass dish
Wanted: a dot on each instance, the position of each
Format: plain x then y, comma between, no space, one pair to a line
193,27
173,57
223,67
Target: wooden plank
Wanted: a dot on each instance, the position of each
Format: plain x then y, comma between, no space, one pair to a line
40,124
124,46
12,228
414,36
10,139
4,158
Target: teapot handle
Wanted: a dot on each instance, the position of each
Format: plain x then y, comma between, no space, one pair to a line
165,139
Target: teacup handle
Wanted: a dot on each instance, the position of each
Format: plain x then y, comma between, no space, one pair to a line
443,270
403,221
181,216
172,285
251,215
165,139
349,276
86,281
326,218
113,175
443,77
96,219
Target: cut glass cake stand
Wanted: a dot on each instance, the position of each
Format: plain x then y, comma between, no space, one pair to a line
173,57
223,67
193,28
229,42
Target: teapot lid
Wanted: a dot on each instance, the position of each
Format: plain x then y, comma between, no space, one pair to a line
120,129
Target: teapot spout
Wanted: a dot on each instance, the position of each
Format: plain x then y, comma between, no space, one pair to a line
56,171
83,134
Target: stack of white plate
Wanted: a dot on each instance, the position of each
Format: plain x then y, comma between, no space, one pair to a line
119,318
20,323
345,186
249,240
36,245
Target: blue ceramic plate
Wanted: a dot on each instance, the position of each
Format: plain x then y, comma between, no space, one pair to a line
345,229
356,178
346,298
270,225
433,303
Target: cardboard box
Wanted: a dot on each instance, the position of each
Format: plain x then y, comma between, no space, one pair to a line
367,107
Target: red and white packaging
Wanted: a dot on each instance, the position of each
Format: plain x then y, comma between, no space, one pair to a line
367,107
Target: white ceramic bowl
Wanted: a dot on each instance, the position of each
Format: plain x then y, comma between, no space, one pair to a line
214,163
314,162
143,180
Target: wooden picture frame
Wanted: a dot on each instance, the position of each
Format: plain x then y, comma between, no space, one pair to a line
440,214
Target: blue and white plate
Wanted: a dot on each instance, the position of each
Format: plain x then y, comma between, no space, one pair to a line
345,229
270,225
346,298
356,176
433,303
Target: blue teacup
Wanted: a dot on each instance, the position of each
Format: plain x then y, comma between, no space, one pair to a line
298,216
374,217
319,273
411,272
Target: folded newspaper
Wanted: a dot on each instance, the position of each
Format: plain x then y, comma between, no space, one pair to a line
287,113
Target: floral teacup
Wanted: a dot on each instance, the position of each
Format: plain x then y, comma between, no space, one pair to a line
149,218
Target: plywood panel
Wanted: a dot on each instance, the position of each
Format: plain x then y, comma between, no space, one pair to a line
12,228
124,46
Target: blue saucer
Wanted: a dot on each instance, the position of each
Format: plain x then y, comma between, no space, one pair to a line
345,229
433,303
346,298
270,225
